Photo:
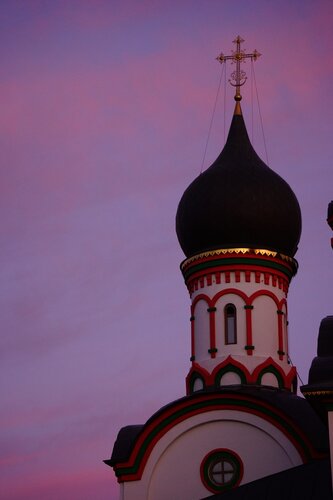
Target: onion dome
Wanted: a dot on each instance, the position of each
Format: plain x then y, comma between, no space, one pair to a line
319,390
321,370
330,218
238,202
330,214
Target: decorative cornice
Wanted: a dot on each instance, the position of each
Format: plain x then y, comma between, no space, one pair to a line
243,251
317,393
239,258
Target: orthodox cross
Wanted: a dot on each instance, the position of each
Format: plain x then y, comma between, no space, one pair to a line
238,76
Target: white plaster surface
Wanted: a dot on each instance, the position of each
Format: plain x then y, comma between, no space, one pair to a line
330,428
269,379
265,327
173,468
230,378
198,385
201,331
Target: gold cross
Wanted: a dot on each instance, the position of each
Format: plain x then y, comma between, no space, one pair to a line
238,76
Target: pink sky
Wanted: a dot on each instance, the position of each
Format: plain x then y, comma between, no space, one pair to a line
105,108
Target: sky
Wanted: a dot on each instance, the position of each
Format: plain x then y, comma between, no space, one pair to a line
105,111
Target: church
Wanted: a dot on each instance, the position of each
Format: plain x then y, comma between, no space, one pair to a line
241,431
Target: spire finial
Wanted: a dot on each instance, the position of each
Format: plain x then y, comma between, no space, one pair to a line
238,76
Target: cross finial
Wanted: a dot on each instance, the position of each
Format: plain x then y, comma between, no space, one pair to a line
237,56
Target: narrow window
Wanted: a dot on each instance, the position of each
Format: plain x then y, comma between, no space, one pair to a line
230,324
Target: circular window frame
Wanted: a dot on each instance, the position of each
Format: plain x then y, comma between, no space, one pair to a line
213,458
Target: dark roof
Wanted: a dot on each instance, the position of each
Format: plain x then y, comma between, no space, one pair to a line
124,443
311,481
238,202
295,408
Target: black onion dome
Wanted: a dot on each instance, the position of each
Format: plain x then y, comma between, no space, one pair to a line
330,214
238,202
322,366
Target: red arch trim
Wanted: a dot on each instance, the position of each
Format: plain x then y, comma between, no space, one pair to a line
211,303
279,304
212,333
202,372
204,297
233,362
247,299
251,378
268,293
269,362
163,421
227,291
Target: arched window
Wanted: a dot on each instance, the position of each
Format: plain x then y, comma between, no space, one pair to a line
230,324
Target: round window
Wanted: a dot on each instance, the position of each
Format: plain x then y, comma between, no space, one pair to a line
221,470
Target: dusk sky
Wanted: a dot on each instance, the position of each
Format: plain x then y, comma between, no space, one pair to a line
104,115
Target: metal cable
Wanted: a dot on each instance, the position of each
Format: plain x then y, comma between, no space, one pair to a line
292,364
261,122
224,104
252,99
212,118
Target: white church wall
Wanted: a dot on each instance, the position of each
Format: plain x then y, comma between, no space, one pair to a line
201,330
230,378
265,326
269,379
173,468
330,428
285,329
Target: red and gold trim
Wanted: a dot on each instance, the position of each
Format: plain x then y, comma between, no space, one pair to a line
246,263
